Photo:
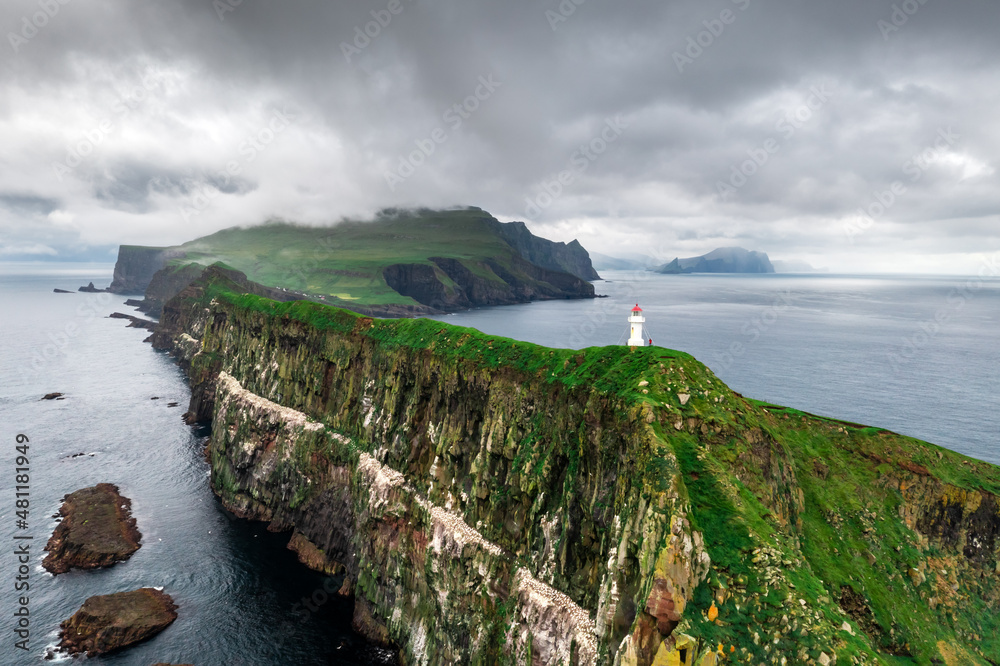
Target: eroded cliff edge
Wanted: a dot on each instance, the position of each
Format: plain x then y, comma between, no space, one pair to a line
498,502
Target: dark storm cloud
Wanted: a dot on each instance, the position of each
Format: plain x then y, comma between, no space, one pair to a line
27,204
774,124
129,186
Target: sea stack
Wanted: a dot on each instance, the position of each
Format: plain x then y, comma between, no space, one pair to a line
97,530
110,622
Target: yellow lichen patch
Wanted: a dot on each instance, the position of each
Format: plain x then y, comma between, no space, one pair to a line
713,612
683,653
955,655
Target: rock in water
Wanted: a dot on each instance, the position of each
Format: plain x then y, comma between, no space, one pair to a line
51,396
113,621
97,530
135,322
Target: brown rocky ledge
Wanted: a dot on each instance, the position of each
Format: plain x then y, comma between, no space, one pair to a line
109,622
134,322
97,530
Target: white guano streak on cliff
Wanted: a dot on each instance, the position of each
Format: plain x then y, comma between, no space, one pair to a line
448,527
543,597
229,387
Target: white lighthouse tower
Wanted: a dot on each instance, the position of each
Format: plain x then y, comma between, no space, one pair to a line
637,335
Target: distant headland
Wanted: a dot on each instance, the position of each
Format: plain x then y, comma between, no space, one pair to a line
721,260
401,263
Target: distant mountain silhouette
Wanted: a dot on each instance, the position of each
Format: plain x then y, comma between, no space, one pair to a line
721,260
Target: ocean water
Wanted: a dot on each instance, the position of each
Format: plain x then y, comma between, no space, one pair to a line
917,355
239,590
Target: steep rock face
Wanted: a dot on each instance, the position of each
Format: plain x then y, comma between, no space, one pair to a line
519,282
166,283
182,324
136,266
426,284
417,545
496,502
569,257
450,284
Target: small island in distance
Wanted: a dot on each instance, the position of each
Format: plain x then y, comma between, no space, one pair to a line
734,260
722,260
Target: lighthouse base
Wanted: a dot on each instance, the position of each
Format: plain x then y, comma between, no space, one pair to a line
636,342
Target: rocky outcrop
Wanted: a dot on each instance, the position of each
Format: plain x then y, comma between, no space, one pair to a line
110,622
97,530
134,322
497,502
561,257
136,266
91,289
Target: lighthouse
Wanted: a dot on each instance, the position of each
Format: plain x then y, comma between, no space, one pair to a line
637,337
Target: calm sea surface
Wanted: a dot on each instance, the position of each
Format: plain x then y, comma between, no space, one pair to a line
916,355
235,583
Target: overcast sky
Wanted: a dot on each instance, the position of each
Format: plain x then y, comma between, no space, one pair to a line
666,128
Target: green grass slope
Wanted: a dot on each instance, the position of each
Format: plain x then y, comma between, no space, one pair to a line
344,263
830,542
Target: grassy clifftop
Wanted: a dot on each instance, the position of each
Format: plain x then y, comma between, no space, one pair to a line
692,525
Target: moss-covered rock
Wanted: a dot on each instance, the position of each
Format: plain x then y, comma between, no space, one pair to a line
493,501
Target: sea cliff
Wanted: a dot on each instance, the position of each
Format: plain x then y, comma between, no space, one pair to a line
492,501
136,266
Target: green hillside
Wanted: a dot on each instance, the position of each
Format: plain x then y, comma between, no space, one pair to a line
701,528
399,263
346,261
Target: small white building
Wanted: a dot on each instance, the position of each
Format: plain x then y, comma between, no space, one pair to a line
637,332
